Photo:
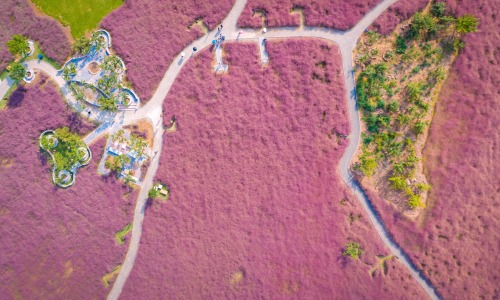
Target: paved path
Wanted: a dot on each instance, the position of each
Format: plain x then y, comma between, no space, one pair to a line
152,111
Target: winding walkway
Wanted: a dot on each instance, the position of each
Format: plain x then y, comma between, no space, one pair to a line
346,40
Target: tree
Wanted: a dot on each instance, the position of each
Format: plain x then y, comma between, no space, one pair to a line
17,71
18,45
153,193
419,127
82,45
415,201
466,24
438,9
367,165
108,103
398,183
69,71
353,250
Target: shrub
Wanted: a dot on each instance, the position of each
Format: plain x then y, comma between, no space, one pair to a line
353,250
438,9
368,164
18,45
398,183
17,71
153,193
415,201
466,24
418,127
393,106
82,45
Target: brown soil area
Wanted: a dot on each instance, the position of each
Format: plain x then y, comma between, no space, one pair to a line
94,67
142,129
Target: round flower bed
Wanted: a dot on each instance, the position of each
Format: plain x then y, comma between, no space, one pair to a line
94,67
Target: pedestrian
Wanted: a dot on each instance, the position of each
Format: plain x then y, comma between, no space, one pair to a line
182,55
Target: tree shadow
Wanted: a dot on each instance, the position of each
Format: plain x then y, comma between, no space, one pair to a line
17,97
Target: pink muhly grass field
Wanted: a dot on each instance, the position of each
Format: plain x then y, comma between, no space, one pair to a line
149,34
18,17
255,208
337,14
56,243
458,246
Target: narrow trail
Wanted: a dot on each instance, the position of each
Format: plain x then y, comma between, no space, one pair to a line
152,111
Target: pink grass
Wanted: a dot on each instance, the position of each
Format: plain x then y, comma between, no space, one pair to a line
337,14
18,17
148,35
47,231
254,186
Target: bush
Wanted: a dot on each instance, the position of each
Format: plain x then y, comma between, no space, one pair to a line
393,106
353,250
398,183
82,45
18,45
438,9
415,201
153,193
367,165
419,127
466,24
17,71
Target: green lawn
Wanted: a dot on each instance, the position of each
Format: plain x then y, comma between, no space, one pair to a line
80,15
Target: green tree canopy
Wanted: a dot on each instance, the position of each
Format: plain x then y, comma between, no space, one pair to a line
353,250
82,45
17,71
18,45
466,24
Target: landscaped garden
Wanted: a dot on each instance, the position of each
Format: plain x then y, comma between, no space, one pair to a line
257,209
97,77
82,16
68,152
55,242
398,80
454,242
337,14
126,154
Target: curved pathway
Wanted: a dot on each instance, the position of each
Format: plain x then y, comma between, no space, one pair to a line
346,40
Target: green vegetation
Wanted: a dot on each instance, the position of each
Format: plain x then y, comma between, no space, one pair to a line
82,45
69,71
395,92
153,193
17,71
18,45
353,250
110,68
67,153
120,234
81,15
109,104
117,163
66,148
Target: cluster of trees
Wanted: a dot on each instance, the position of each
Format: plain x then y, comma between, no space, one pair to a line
69,71
83,45
18,46
108,103
66,153
394,123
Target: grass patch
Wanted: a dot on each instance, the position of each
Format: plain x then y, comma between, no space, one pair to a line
120,234
80,15
111,275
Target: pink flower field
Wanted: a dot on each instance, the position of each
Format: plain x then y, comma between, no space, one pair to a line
457,246
18,17
337,14
257,209
149,34
56,244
